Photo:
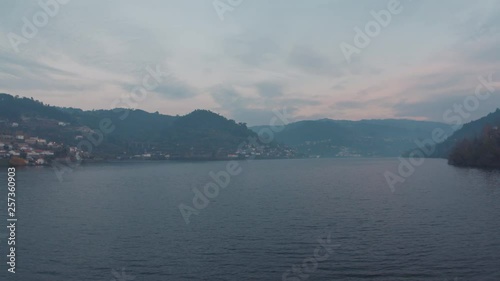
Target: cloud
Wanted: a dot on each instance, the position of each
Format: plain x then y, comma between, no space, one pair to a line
270,89
256,110
313,62
250,48
21,74
436,85
434,109
227,96
264,56
18,66
175,91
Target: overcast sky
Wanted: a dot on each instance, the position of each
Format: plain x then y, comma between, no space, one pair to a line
263,55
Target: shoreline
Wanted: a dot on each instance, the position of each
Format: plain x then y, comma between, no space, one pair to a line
136,161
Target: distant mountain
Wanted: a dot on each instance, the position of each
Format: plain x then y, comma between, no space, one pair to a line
207,135
365,138
469,131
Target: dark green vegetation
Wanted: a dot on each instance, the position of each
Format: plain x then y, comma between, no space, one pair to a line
122,132
477,144
469,131
16,108
366,138
201,133
483,151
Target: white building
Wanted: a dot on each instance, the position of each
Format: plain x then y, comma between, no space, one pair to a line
51,144
25,148
31,140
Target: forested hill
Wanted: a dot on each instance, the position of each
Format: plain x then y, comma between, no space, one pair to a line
469,131
201,133
477,144
15,108
365,138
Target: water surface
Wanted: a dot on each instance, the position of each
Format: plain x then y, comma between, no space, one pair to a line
443,223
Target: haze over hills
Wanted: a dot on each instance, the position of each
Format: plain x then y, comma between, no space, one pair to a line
366,138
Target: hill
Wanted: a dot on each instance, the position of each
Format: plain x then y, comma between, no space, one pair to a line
482,151
16,108
365,138
469,131
123,133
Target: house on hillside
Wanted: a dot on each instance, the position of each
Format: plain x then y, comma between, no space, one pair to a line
24,147
47,153
33,154
53,144
6,137
31,140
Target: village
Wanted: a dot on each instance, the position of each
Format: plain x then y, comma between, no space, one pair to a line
19,146
21,149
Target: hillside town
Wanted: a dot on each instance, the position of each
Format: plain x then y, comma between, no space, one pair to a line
20,148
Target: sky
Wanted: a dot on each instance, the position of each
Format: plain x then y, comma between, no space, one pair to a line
245,59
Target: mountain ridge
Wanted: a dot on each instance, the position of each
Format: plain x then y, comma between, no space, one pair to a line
364,138
199,134
203,132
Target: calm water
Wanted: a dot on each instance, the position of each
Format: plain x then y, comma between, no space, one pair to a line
443,223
